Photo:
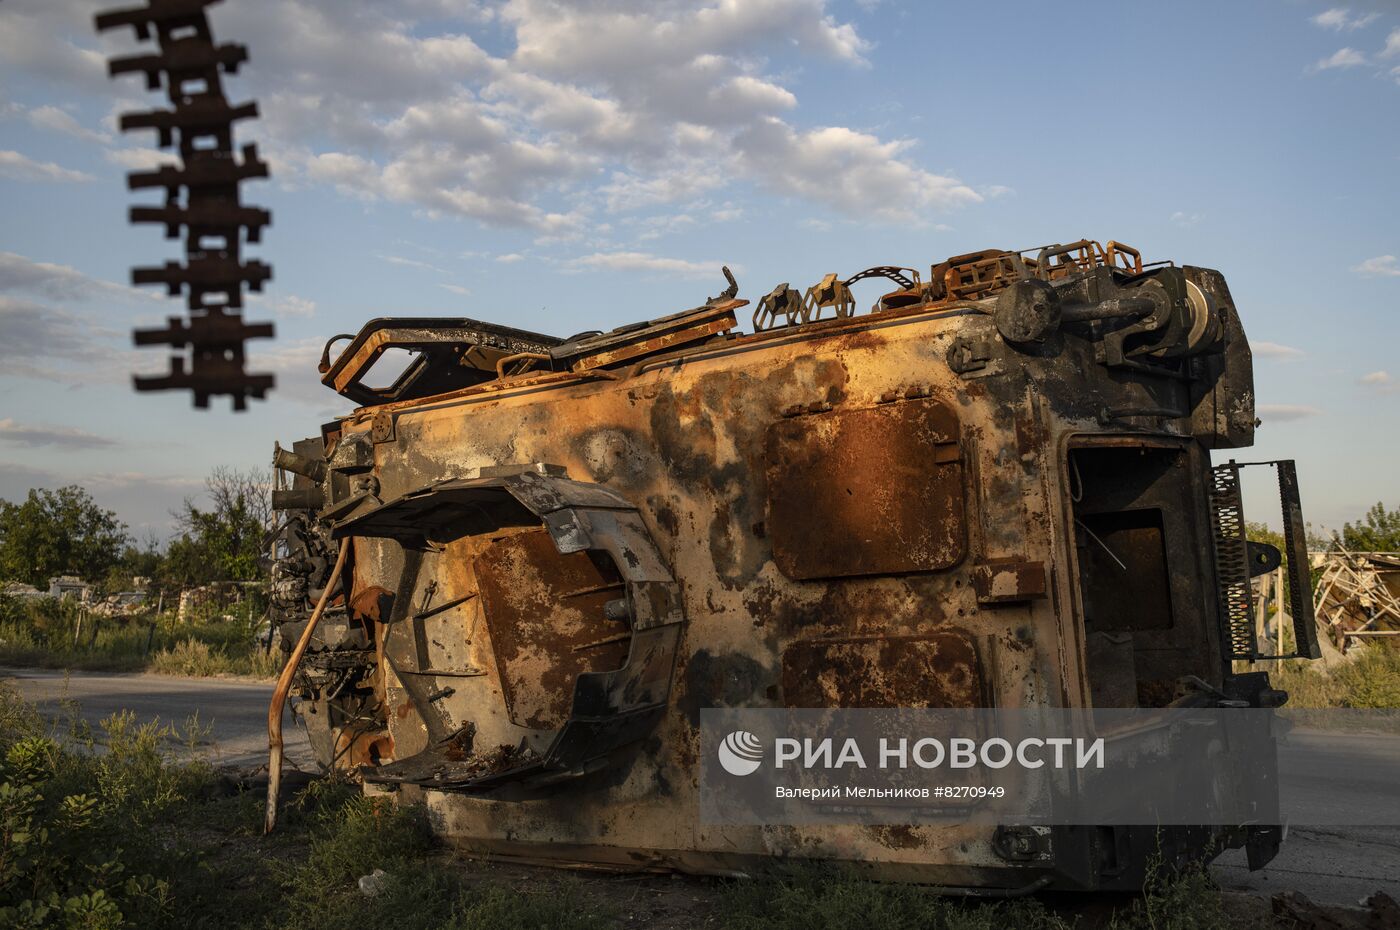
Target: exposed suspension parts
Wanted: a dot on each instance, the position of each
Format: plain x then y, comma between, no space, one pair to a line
201,197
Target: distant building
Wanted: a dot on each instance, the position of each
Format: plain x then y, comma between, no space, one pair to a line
21,591
69,586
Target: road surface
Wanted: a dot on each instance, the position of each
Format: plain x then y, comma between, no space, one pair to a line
1330,777
236,711
1332,865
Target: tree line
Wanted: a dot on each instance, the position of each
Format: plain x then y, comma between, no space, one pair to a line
64,531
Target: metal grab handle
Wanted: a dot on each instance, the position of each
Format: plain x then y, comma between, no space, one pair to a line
284,685
1113,250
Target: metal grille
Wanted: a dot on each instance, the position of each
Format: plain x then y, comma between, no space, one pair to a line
1232,561
200,126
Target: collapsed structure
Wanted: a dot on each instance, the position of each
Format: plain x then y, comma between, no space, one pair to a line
1358,595
994,489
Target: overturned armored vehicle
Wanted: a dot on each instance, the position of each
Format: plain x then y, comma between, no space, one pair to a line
993,489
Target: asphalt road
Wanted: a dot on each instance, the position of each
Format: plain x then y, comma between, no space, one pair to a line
1330,777
236,711
1333,865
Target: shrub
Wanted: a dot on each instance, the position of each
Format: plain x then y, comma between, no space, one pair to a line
77,848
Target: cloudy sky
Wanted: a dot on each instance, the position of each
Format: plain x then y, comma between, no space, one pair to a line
569,166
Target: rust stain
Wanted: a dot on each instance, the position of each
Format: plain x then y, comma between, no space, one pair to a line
545,612
937,670
866,491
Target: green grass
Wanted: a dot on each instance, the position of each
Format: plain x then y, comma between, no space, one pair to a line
49,635
1371,680
815,898
110,828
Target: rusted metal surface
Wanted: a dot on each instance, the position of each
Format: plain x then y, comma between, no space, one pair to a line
866,491
903,508
201,196
279,698
449,354
656,336
547,615
935,670
1009,580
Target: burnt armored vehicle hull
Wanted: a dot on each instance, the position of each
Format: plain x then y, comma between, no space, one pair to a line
560,552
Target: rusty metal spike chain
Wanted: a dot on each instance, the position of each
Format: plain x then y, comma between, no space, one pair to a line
200,126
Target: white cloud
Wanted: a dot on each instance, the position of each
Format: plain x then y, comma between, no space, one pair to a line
51,343
45,338
412,263
34,330
1285,413
644,262
571,109
851,171
65,437
1339,18
457,289
58,282
287,305
37,39
684,179
1380,381
1381,266
293,362
510,258
19,167
1341,58
1275,350
1392,44
135,159
1186,220
56,120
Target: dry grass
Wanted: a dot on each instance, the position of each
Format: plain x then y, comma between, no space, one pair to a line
50,635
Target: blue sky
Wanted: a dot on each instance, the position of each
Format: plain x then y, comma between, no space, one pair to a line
563,167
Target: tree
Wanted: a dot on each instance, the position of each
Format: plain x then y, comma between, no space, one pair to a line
222,542
138,560
55,533
1378,531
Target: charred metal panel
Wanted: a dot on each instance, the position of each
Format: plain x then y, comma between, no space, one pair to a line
870,491
1222,391
938,670
548,617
